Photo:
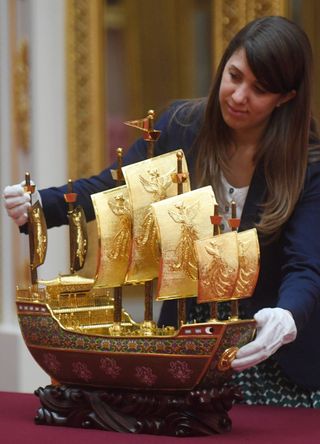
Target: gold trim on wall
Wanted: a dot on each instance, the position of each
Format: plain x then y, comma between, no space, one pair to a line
85,98
22,94
229,16
307,15
21,105
85,90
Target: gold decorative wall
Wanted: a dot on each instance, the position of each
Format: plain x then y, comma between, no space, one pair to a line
85,97
159,49
307,15
229,16
20,130
22,94
147,85
86,123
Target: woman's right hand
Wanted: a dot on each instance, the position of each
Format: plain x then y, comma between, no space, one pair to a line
17,202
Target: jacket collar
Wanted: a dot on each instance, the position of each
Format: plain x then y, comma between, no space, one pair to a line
255,197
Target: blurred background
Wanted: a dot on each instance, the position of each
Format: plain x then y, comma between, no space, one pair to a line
71,71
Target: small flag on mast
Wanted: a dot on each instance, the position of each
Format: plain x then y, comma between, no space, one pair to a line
145,124
142,124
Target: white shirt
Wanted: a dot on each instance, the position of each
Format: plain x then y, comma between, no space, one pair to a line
230,193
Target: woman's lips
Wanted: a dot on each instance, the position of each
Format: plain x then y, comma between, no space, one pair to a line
235,111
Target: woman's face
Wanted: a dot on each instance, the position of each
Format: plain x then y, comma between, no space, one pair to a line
244,103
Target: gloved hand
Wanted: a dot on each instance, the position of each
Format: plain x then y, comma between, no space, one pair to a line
17,201
275,327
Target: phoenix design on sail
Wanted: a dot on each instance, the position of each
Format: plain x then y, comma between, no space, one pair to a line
185,251
120,244
157,185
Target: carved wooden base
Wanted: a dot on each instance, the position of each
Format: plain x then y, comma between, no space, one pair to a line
195,413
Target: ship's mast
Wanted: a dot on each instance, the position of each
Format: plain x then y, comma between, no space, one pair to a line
216,223
70,198
179,178
37,230
151,135
151,138
117,295
234,224
30,188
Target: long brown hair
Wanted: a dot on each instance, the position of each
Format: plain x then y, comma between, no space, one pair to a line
280,56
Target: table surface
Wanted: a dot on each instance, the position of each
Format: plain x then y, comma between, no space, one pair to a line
250,425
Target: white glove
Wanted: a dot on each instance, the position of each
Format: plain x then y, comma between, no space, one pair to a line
275,327
17,201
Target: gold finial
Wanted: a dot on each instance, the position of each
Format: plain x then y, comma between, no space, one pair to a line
70,197
117,173
119,157
28,188
179,177
234,221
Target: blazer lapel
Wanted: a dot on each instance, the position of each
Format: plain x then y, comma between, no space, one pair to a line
255,197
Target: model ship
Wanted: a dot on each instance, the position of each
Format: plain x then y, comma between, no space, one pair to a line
150,226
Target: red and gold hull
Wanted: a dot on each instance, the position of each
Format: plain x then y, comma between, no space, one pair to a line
190,358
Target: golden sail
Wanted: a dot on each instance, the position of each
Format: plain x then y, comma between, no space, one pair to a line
149,181
78,239
228,266
182,220
38,235
113,215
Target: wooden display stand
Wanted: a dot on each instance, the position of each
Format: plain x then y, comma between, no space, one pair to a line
194,413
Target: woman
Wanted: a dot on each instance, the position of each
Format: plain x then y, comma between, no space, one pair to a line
252,140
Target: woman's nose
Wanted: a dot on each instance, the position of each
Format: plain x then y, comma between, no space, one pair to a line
240,94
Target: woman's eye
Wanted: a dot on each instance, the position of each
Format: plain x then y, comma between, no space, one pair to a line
234,76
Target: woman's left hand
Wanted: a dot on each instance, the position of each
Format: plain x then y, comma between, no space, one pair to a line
275,327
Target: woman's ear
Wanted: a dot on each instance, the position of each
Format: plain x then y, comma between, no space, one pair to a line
286,97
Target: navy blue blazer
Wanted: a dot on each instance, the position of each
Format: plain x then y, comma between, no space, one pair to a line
290,266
